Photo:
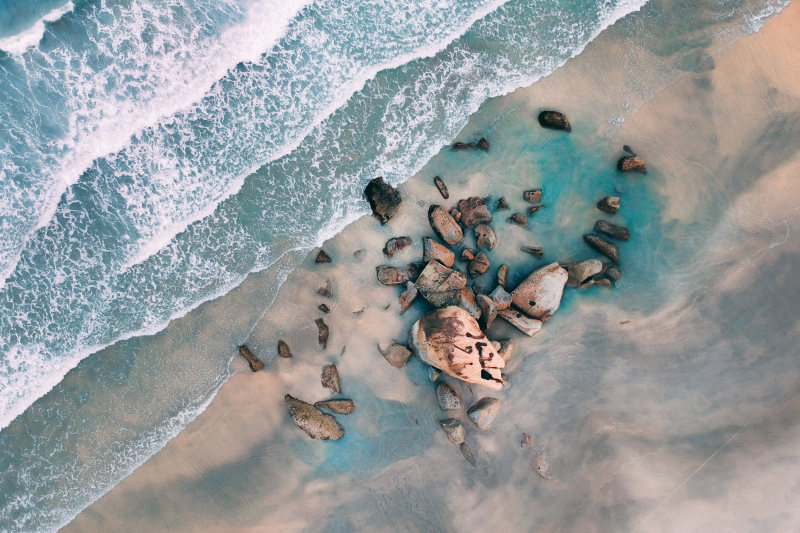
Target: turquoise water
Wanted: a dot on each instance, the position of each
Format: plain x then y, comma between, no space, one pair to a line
154,155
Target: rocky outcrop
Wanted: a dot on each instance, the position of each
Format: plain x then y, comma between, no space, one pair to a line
527,325
323,333
603,246
433,251
535,251
474,211
451,340
252,360
390,275
384,200
609,204
330,378
539,295
631,163
485,236
408,297
501,203
322,257
441,186
612,230
444,225
581,273
554,120
454,430
395,244
283,350
439,285
533,196
340,407
314,422
484,412
479,265
502,276
447,397
396,354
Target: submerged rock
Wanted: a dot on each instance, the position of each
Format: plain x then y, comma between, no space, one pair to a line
630,163
444,225
526,439
396,244
485,236
451,340
447,397
396,354
340,407
474,211
441,186
554,120
501,203
482,144
466,451
322,257
252,360
433,251
539,295
484,412
384,200
612,230
323,333
527,325
408,297
603,246
580,273
609,204
479,265
454,430
314,422
533,196
439,285
390,275
283,350
502,275
330,378
534,208
535,251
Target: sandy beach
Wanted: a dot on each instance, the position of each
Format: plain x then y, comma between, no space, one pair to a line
686,419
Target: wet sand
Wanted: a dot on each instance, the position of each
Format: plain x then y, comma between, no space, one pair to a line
676,414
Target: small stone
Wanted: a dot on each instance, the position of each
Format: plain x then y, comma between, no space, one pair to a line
483,412
390,275
433,251
324,308
441,186
474,211
605,282
612,230
479,265
506,349
283,350
539,295
501,298
533,196
554,120
434,373
529,326
396,354
502,275
338,406
603,246
488,311
609,204
439,285
501,204
534,208
542,466
535,251
485,236
526,440
384,200
330,378
359,254
444,225
454,430
312,421
255,364
395,245
468,254
448,398
469,303
466,451
456,214
614,273
323,333
581,273
483,144
322,257
326,290
630,163
408,297
519,219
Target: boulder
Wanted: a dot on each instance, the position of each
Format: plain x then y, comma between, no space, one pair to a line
439,285
535,251
609,204
322,257
533,196
467,254
501,298
384,200
447,397
389,275
444,225
395,244
488,311
539,295
451,340
454,430
612,230
324,308
323,333
474,211
479,265
630,163
330,378
441,186
554,120
506,349
527,325
433,251
255,364
603,246
396,354
314,422
339,406
502,275
501,204
519,219
283,350
326,290
408,296
581,273
485,236
483,412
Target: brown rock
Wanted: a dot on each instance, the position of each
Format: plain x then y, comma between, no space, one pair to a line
484,412
384,200
519,219
527,325
448,398
255,364
408,297
482,144
533,250
581,273
629,163
612,230
488,311
534,208
283,350
456,214
441,186
454,430
467,254
613,273
433,251
389,275
485,236
526,439
326,290
539,295
554,120
474,211
322,257
502,275
444,225
603,246
323,333
506,349
324,308
479,265
469,303
338,406
395,244
396,354
533,196
502,204
451,340
439,285
609,204
314,422
330,379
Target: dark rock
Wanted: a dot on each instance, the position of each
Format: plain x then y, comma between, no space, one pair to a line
506,349
484,412
482,144
519,219
433,251
322,257
614,273
488,311
326,290
601,245
408,297
527,325
474,211
359,255
612,230
283,350
389,275
582,272
534,208
434,373
502,275
502,204
395,244
533,196
554,120
439,285
323,333
485,236
441,186
542,466
396,354
467,254
314,422
629,163
526,439
628,149
454,430
501,298
479,265
384,200
338,406
466,451
448,398
533,250
255,364
444,225
539,295
330,379
324,308
609,204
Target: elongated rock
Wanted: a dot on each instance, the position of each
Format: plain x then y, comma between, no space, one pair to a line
396,244
527,325
609,204
396,354
554,120
535,251
441,186
314,422
384,200
330,378
506,349
539,295
252,360
283,350
324,332
612,230
408,297
433,251
603,246
502,276
485,236
339,406
630,163
439,285
451,340
448,398
534,208
484,412
466,451
444,225
454,430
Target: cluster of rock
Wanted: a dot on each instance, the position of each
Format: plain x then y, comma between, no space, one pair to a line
311,418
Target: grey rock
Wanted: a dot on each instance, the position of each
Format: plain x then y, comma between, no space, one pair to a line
338,406
488,311
519,219
484,412
502,276
609,204
474,211
314,422
603,246
396,244
529,326
454,430
612,230
324,333
390,275
448,398
330,378
396,354
581,273
501,298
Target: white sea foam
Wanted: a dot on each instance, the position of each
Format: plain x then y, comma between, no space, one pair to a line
18,43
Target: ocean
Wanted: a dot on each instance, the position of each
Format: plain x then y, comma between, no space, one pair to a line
166,164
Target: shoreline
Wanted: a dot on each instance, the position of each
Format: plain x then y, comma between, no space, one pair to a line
173,462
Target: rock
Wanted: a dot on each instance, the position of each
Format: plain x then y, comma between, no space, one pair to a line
314,422
502,275
389,275
456,214
603,246
474,211
454,430
433,251
433,373
448,398
501,204
533,196
533,250
322,257
441,186
255,364
323,333
384,200
330,378
396,354
630,163
485,236
339,406
467,254
539,295
484,412
326,290
554,120
580,273
542,466
451,340
395,244
534,208
469,304
527,325
466,451
501,298
439,285
488,311
479,265
482,144
444,225
614,273
283,350
324,308
408,297
526,439
612,230
506,349
609,204
626,148
359,255
605,282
